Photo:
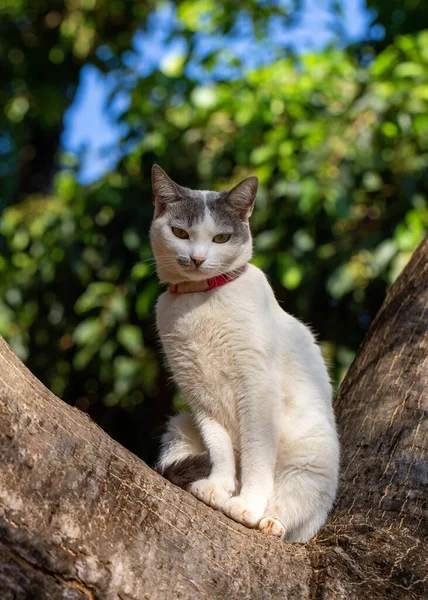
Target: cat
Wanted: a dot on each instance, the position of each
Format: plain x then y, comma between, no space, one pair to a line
260,443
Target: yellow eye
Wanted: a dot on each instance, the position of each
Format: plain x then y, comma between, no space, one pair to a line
221,238
180,233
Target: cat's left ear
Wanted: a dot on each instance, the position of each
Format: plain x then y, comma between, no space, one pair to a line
243,196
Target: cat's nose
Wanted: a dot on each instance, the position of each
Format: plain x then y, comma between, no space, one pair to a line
197,261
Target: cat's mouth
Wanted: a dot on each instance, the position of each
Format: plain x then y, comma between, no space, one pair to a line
196,273
202,271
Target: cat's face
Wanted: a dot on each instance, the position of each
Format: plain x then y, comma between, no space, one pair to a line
196,235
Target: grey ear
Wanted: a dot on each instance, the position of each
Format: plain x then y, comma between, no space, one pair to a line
164,189
243,196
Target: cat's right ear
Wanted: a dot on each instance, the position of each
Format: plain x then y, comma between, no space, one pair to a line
243,196
164,189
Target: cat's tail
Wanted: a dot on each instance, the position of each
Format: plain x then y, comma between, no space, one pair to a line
183,458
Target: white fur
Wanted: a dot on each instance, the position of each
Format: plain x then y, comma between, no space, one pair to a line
260,397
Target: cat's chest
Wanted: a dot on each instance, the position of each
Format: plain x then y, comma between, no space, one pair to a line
200,339
196,327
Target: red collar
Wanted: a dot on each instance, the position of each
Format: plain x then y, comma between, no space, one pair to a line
186,287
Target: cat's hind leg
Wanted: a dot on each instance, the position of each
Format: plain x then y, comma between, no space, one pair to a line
304,491
183,457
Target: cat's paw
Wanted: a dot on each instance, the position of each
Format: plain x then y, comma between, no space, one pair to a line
244,510
271,526
213,493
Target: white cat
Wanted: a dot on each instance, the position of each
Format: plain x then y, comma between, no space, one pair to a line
261,437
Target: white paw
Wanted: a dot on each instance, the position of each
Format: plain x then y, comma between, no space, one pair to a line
213,493
244,510
271,526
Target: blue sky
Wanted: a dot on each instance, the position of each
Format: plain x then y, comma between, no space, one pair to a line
91,130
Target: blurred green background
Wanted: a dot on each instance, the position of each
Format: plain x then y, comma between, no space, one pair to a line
334,124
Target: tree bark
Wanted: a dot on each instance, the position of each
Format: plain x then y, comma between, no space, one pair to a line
83,518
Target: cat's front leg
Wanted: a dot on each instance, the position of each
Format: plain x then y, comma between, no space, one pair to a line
220,485
259,436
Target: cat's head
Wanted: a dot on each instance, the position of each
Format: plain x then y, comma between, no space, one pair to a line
195,234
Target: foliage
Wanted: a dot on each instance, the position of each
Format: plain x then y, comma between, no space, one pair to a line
43,46
341,151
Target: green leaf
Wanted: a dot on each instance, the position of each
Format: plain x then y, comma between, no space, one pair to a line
125,366
341,282
140,271
292,278
409,69
87,331
96,294
130,337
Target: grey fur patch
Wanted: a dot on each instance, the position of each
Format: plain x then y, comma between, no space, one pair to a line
189,469
227,217
186,208
190,209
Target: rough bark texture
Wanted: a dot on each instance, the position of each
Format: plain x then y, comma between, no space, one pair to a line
82,518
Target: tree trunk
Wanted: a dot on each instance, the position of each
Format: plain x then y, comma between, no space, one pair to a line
83,518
